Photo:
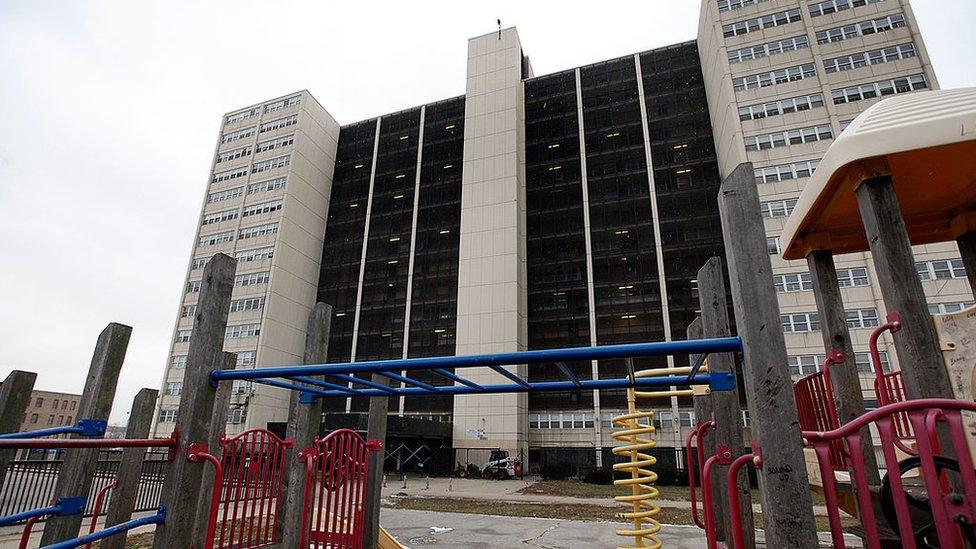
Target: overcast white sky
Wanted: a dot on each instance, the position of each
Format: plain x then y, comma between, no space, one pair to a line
109,113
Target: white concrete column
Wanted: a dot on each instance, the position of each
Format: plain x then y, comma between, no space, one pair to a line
413,249
492,299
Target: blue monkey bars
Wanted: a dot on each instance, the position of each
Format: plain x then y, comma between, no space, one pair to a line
297,377
85,428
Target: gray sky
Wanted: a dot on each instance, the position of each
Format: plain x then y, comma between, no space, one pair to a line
110,111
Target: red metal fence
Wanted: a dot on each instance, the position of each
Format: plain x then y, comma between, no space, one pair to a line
335,490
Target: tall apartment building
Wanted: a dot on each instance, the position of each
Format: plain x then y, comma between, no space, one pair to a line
567,209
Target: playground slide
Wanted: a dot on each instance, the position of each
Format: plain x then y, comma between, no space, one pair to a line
389,542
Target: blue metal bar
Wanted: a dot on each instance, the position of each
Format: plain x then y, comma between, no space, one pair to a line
325,384
457,378
368,383
569,373
293,387
84,427
63,507
158,518
718,381
501,370
427,387
573,354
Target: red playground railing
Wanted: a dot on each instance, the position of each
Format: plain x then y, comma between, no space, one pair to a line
335,490
815,406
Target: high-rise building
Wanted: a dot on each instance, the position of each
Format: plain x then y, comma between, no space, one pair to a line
568,209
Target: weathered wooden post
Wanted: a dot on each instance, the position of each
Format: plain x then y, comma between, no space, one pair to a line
787,505
181,489
725,404
703,404
218,425
967,249
126,489
916,343
844,378
304,421
375,430
78,467
15,397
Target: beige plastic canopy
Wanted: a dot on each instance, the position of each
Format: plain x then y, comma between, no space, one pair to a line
926,142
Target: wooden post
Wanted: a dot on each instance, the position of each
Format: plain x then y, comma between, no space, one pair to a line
304,421
916,344
844,377
725,405
967,248
375,430
181,489
126,489
78,467
15,397
786,502
218,426
703,405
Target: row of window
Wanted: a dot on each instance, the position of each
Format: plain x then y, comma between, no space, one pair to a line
770,48
268,185
245,359
810,322
245,233
764,22
50,420
789,137
283,104
950,307
561,420
276,143
237,135
262,208
247,304
218,217
257,167
233,154
243,330
833,6
252,279
777,208
802,282
242,115
235,416
260,230
872,57
784,172
279,123
729,5
782,106
879,89
771,78
864,28
801,365
941,269
255,254
39,402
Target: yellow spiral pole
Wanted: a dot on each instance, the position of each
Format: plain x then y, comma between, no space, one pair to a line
636,433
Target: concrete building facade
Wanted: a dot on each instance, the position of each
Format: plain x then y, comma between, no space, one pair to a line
568,209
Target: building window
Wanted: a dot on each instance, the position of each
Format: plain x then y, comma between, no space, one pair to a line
797,323
229,174
228,194
230,137
241,387
772,245
247,304
39,402
177,361
193,286
729,5
942,269
50,419
266,186
199,263
33,418
833,6
252,279
872,57
237,416
271,164
864,28
561,420
279,123
256,254
56,402
282,104
783,106
792,282
871,90
260,230
770,48
764,22
802,365
772,78
845,123
167,416
784,172
242,116
246,359
265,207
218,217
777,208
188,311
949,307
182,336
861,318
276,143
863,362
849,278
216,238
789,137
174,388
243,330
233,153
